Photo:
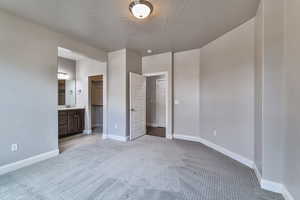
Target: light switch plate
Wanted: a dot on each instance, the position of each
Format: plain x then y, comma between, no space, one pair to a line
14,147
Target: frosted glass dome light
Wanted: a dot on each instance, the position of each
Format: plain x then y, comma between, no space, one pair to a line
141,9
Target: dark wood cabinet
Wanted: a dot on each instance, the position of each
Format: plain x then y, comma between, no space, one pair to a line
70,122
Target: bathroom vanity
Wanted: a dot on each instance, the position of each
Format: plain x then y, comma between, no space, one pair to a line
70,121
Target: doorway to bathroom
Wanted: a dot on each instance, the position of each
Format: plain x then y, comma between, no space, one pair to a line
81,99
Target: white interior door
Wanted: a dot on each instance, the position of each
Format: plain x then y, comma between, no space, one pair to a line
137,105
161,103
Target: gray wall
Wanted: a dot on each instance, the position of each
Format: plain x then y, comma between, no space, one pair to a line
277,67
269,89
120,63
272,87
162,63
67,66
258,151
214,89
28,74
291,168
116,98
187,93
227,90
29,89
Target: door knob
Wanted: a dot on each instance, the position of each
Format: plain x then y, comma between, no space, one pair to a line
132,109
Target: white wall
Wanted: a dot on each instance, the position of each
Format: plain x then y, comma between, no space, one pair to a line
28,73
85,68
162,63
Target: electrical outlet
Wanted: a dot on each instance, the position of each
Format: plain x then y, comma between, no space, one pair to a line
215,132
14,147
116,126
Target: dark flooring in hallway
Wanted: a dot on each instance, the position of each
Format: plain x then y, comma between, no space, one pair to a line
156,131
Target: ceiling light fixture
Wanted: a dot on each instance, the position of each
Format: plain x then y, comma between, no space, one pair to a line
141,9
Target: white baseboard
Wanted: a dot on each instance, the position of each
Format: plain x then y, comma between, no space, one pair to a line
286,194
277,188
87,132
265,184
170,137
28,161
271,186
116,137
257,173
218,148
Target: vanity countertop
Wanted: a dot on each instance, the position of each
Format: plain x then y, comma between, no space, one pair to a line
70,108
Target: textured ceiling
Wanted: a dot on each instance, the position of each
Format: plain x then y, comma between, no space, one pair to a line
175,25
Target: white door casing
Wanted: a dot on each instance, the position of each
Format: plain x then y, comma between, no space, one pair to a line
137,84
161,103
169,110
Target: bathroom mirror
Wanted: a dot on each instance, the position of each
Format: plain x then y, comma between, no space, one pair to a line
66,92
66,76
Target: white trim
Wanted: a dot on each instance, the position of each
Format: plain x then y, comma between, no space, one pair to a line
286,194
116,137
218,148
156,74
257,173
169,134
271,186
105,96
277,188
88,132
28,161
166,101
170,137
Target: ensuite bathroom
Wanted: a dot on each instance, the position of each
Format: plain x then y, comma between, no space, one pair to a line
80,97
